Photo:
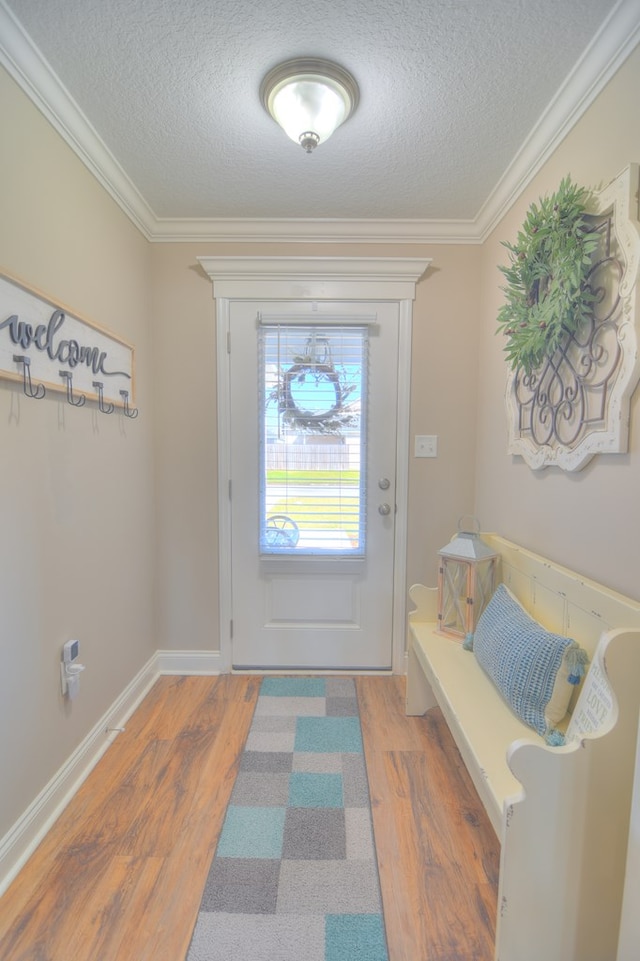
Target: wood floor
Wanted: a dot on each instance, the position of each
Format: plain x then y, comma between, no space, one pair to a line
120,875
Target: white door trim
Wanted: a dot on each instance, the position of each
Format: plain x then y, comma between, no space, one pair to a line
313,278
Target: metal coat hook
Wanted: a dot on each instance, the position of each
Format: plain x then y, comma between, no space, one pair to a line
27,384
128,411
104,408
81,399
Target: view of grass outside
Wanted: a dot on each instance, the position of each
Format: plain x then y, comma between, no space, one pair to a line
323,505
333,477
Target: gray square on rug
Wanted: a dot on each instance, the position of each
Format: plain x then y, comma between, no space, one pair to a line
271,723
360,845
354,781
317,763
340,687
342,707
242,886
270,741
261,788
314,834
328,887
233,937
269,761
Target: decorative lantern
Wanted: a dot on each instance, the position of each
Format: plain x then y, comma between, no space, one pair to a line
466,580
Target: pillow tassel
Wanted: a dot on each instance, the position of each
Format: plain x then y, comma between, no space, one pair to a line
554,737
576,661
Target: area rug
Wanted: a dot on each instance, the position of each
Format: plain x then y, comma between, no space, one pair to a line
294,877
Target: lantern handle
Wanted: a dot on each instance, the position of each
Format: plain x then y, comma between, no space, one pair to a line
465,530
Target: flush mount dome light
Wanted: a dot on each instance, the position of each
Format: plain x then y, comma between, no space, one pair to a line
309,99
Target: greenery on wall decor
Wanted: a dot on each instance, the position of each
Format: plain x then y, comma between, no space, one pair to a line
548,294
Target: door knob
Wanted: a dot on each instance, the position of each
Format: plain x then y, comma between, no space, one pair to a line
384,509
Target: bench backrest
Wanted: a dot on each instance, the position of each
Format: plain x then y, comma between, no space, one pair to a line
561,600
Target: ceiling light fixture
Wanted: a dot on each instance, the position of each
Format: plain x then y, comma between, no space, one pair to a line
309,99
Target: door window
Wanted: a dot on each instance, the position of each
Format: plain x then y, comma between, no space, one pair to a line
313,385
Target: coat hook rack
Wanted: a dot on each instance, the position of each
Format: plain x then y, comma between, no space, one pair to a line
81,400
104,408
27,385
128,411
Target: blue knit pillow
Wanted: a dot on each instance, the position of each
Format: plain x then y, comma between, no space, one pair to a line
524,660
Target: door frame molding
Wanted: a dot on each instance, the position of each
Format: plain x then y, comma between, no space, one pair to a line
264,278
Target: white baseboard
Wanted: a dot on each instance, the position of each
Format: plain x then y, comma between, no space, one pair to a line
189,662
26,834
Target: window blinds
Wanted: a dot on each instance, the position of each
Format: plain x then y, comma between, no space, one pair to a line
313,385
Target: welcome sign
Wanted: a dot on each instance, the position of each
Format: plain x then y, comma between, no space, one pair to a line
60,347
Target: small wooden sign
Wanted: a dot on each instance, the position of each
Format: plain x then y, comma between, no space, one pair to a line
595,703
61,348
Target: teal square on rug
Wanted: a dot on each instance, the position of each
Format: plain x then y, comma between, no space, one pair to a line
292,687
315,790
355,936
326,734
252,832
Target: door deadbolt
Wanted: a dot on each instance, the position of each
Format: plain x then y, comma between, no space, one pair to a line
384,483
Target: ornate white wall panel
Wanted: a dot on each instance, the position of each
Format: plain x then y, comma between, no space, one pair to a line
576,404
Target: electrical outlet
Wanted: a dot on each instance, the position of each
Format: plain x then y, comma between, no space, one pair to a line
426,445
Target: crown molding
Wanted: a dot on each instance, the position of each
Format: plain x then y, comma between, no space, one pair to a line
23,61
282,230
614,42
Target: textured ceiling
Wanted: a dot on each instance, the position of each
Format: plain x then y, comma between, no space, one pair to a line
450,92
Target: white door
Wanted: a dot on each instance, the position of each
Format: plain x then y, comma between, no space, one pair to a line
313,421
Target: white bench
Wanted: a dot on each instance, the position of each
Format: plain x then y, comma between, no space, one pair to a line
561,814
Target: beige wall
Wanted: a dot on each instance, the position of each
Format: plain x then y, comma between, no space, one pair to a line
443,389
589,521
76,487
184,360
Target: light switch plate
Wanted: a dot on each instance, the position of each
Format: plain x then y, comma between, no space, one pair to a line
426,445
